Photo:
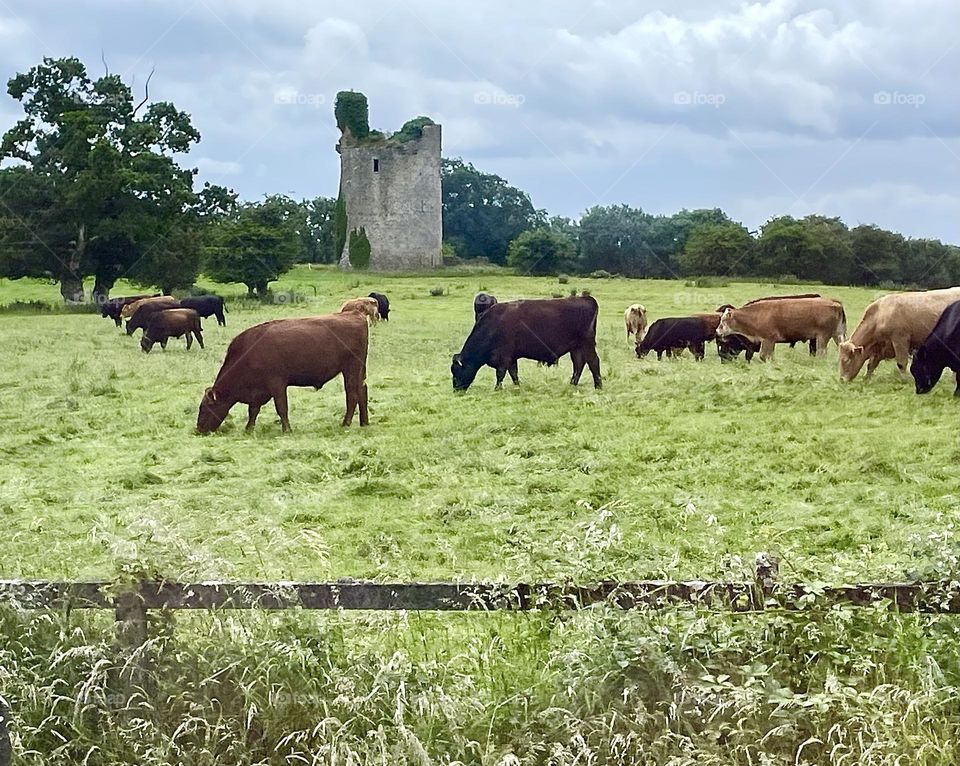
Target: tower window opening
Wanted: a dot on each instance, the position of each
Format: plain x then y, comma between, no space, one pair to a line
376,166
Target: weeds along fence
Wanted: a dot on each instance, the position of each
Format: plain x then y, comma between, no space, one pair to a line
132,602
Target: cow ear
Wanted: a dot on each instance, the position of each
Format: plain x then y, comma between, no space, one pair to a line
210,395
458,360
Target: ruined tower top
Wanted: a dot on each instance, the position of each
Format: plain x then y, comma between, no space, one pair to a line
389,213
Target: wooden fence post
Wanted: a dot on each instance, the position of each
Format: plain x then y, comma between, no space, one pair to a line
767,575
131,616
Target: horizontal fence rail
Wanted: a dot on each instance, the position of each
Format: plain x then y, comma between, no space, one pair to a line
766,591
131,603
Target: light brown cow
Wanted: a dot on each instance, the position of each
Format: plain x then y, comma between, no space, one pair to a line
786,321
131,308
635,320
893,327
369,307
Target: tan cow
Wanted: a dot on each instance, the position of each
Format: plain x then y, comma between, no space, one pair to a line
635,320
786,321
366,306
131,308
893,327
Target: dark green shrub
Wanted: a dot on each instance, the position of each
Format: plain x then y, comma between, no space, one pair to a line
359,249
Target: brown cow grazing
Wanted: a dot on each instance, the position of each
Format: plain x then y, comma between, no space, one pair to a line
263,361
786,321
171,323
130,309
113,308
635,320
891,328
139,319
542,330
369,307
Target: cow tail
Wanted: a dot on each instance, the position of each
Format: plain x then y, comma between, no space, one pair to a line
223,305
843,324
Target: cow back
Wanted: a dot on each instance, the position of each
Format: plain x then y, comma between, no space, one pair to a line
788,320
542,330
305,351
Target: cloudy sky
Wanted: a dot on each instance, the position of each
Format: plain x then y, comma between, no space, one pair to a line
846,108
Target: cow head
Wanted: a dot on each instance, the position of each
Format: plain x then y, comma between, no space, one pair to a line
213,410
926,374
463,374
852,358
727,323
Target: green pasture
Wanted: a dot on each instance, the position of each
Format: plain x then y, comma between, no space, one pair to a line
678,468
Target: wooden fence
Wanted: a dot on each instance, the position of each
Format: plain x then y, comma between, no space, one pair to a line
131,603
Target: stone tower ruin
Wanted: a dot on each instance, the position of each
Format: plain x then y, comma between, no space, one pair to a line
389,194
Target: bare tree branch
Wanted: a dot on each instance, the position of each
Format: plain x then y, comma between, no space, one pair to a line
146,91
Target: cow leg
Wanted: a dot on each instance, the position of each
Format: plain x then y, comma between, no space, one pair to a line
364,418
872,365
163,344
350,389
514,374
818,345
221,320
698,351
901,350
501,374
280,402
766,349
659,355
199,337
252,411
593,361
579,360
189,340
749,354
117,321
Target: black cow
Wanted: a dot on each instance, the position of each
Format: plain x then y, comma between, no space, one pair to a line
205,306
730,347
939,351
383,305
112,308
481,302
673,334
542,330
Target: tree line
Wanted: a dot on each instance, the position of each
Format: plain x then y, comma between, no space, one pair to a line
93,187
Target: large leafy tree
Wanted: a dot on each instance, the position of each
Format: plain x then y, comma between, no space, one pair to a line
716,249
258,243
815,248
98,190
317,230
877,255
541,251
616,238
482,213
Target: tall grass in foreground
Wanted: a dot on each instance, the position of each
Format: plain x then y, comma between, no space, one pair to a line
840,686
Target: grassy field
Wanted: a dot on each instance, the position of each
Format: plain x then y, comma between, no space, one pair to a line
679,468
